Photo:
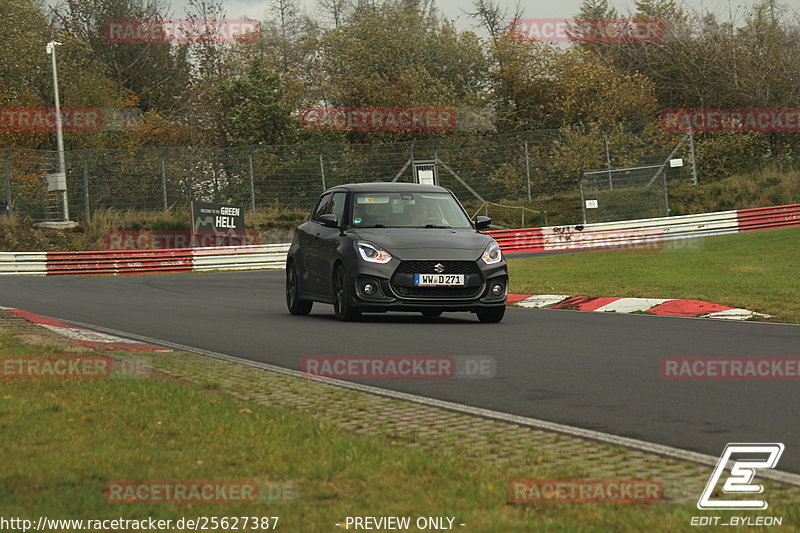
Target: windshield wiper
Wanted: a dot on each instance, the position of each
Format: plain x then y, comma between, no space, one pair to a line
437,226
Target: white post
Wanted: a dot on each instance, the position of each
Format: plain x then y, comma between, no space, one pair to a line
62,167
694,157
528,175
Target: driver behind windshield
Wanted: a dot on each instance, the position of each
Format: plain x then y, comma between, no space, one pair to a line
419,214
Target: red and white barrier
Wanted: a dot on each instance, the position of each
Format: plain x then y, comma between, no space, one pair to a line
643,232
125,262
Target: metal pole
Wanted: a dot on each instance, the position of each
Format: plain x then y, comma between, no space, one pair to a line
164,181
608,160
62,167
528,174
7,174
86,186
252,185
666,196
694,158
322,172
583,202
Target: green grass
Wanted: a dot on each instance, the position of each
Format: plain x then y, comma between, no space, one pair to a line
61,441
757,271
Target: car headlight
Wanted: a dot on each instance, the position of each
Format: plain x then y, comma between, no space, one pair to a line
373,253
492,254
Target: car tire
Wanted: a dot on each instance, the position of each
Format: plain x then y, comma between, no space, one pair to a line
343,308
431,313
293,302
490,315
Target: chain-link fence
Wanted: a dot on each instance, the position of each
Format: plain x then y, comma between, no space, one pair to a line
528,168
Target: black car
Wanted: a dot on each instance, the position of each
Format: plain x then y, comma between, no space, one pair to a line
376,247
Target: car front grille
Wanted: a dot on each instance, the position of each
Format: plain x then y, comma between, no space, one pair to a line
428,267
403,280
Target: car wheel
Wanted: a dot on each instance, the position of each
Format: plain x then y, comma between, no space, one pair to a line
293,302
431,313
491,314
342,306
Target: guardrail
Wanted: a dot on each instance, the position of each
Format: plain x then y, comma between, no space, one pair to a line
644,232
23,263
262,256
126,262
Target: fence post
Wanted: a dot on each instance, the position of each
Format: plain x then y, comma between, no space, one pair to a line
608,160
528,174
86,210
322,172
583,202
694,158
7,175
666,195
164,181
252,185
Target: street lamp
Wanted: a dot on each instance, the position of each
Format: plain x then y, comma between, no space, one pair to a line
61,178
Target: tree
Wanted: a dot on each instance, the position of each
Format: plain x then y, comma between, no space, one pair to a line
156,72
26,76
401,55
335,11
538,85
255,112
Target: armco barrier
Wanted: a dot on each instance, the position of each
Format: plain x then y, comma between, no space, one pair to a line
646,231
122,262
240,257
259,256
769,217
23,263
119,262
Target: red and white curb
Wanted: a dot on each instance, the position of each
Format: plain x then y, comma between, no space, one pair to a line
87,337
655,306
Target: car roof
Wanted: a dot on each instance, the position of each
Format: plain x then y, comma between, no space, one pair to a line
390,186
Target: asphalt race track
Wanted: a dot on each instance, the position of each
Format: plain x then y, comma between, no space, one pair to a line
597,371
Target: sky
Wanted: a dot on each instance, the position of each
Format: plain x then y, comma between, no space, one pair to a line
456,9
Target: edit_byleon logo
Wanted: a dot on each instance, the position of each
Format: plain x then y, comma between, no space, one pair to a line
750,457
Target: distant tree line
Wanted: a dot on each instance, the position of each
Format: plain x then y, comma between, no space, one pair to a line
394,53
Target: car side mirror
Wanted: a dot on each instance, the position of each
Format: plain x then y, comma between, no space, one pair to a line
329,221
482,222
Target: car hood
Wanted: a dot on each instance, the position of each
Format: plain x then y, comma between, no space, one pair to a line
426,243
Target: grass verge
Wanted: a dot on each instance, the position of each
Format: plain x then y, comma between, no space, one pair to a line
757,271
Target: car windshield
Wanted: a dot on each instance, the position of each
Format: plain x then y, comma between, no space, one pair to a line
407,210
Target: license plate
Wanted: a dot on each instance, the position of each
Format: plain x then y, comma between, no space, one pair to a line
438,280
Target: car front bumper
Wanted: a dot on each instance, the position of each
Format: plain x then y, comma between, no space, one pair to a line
393,290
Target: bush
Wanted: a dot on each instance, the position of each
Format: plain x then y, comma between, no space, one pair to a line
723,154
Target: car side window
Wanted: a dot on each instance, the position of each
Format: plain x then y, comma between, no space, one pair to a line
331,204
338,205
322,207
